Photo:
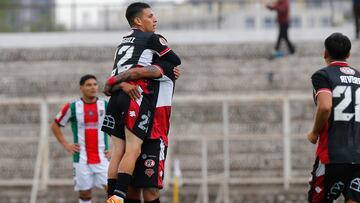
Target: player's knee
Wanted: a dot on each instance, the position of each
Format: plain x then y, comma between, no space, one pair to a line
85,195
351,201
151,194
133,151
117,155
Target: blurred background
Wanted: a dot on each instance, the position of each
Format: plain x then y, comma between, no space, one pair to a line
239,120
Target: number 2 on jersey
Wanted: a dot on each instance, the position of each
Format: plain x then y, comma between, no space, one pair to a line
125,52
339,114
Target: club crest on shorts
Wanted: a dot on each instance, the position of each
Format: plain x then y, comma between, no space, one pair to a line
149,172
149,163
347,70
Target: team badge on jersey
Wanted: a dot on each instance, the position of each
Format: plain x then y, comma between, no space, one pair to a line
347,71
163,41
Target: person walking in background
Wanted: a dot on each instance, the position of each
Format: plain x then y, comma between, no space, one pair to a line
283,19
356,7
90,144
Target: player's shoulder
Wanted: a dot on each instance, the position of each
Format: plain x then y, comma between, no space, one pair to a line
156,38
321,72
71,104
160,35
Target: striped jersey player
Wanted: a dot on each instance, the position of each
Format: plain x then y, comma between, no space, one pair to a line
90,144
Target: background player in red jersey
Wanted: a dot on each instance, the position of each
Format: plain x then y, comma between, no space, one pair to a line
336,126
90,144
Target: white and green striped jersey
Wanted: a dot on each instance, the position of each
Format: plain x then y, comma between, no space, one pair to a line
86,120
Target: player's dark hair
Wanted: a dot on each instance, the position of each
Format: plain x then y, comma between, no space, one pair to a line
338,46
134,10
86,77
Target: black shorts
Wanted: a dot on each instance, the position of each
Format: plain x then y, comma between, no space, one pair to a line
150,166
331,180
123,112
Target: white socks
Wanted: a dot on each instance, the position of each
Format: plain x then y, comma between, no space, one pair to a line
84,201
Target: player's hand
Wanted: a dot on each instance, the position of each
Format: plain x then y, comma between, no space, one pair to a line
108,154
131,90
107,90
110,82
177,72
312,137
72,148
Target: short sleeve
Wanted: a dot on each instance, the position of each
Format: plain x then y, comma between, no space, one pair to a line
159,44
320,83
64,115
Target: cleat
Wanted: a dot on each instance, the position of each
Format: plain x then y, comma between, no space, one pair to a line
115,199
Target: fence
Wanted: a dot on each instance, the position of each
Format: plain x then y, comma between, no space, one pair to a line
41,179
79,15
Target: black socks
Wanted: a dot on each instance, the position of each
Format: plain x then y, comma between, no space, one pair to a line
122,183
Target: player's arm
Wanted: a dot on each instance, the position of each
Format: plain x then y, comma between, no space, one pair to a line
323,98
148,72
159,44
62,118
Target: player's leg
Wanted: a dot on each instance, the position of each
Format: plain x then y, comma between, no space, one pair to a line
84,181
149,171
285,30
114,125
127,164
137,122
85,196
133,195
118,150
151,195
278,42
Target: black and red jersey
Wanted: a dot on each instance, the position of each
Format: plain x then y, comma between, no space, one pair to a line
339,140
164,90
140,49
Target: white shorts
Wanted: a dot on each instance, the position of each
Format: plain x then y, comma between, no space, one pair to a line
88,176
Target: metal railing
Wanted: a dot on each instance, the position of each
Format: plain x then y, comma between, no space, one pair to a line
41,179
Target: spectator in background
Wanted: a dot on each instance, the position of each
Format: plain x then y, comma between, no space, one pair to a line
282,9
356,7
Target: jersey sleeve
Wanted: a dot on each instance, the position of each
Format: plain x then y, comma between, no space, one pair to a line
63,116
320,83
159,44
167,69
